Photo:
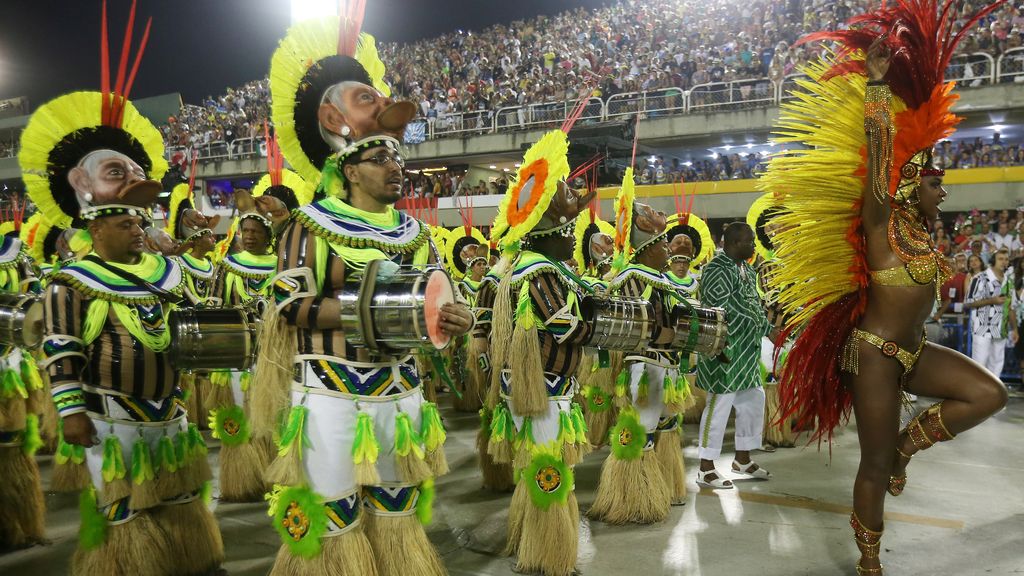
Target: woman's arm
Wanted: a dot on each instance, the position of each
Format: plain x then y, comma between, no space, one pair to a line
878,124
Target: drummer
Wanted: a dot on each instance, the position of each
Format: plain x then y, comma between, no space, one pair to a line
22,404
90,157
359,441
469,259
536,343
650,380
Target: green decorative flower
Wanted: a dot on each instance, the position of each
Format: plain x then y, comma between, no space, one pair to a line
229,425
299,518
548,479
628,436
597,400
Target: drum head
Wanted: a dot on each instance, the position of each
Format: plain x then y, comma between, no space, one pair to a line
439,292
32,332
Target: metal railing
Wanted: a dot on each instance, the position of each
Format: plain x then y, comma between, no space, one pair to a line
1010,66
971,70
968,70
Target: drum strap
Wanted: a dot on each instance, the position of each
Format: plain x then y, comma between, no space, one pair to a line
160,293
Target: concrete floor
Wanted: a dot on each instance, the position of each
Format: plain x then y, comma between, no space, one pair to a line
962,513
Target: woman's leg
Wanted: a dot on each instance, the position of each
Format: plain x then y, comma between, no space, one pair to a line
969,393
876,404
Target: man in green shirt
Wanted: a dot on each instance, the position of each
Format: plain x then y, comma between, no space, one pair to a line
729,282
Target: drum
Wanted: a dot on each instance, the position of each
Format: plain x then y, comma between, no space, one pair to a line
213,338
393,309
699,329
620,323
21,320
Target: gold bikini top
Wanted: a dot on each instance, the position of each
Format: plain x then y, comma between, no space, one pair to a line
923,263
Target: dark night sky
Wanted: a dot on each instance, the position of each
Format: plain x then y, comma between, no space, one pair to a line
199,47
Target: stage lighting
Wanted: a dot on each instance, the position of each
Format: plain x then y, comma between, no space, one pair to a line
306,9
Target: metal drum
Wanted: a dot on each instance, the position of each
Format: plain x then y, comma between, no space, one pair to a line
21,320
213,338
620,323
393,309
709,324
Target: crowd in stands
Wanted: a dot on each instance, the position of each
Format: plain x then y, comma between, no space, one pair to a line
627,46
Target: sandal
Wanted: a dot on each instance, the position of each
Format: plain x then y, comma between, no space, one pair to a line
751,469
898,483
716,483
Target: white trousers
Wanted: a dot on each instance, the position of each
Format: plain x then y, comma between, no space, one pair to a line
989,352
749,406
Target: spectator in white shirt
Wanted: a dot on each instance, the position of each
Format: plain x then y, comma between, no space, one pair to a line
991,299
1003,238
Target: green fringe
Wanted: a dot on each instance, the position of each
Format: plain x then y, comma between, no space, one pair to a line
245,380
142,462
67,452
406,440
30,374
196,441
425,502
643,390
668,390
92,532
524,308
11,385
683,391
485,419
365,447
579,422
31,440
620,383
220,378
294,433
180,450
165,457
566,431
431,428
113,459
501,423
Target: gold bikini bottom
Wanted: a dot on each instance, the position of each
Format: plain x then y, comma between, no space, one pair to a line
850,361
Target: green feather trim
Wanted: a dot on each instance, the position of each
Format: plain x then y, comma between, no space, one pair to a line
683,392
524,308
206,492
113,459
628,436
220,378
643,390
668,391
196,441
579,422
181,450
526,434
425,502
67,452
245,380
30,374
294,433
11,385
229,425
406,440
566,431
501,423
365,447
142,462
620,383
92,532
548,480
165,458
31,441
431,428
597,400
300,518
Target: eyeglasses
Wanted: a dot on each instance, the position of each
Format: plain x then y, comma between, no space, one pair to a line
382,159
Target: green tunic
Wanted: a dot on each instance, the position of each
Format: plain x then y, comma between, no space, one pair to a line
727,284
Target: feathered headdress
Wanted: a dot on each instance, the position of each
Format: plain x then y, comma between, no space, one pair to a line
66,129
684,221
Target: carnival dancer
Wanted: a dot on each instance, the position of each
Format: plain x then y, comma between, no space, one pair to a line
467,259
359,446
537,314
91,157
855,253
23,400
649,383
495,475
595,248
